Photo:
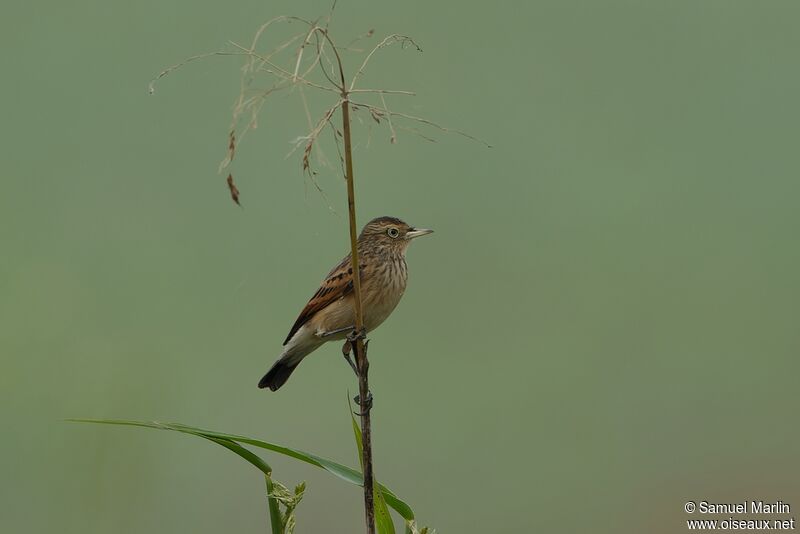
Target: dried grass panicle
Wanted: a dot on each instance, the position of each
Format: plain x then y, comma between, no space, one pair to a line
309,59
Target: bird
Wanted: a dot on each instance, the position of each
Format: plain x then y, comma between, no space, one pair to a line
330,314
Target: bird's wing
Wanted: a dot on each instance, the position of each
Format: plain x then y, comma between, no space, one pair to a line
338,284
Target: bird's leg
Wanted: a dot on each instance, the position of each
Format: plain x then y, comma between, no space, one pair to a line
346,348
323,335
366,404
352,341
349,344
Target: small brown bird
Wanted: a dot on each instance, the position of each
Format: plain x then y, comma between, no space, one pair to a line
330,314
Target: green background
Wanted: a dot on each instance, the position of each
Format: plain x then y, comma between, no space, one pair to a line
603,326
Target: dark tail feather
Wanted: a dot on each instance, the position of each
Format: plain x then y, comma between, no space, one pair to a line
277,375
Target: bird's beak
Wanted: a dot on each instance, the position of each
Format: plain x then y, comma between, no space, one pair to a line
416,232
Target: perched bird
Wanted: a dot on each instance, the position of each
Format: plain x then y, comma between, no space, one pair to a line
330,314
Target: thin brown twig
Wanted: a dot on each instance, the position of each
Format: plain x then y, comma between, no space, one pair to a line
336,134
425,121
151,87
270,22
252,69
280,71
383,92
300,57
306,42
388,40
314,133
322,55
416,132
393,138
310,122
330,15
366,35
320,155
254,103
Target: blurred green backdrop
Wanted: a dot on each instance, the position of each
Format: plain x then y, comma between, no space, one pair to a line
604,325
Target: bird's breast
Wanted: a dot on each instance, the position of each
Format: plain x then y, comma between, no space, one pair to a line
383,288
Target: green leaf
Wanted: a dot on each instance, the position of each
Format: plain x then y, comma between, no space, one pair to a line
383,521
275,520
341,471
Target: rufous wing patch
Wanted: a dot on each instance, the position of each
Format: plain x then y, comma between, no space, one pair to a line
338,284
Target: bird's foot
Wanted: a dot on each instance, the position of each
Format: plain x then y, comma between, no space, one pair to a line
346,349
366,404
355,335
350,345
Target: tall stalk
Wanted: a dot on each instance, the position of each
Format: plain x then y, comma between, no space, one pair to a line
358,346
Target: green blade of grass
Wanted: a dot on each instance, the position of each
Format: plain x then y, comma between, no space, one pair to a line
274,512
341,471
383,521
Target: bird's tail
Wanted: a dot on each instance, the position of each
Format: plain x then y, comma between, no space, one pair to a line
298,348
278,374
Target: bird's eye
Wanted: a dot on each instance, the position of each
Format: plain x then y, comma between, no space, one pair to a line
393,232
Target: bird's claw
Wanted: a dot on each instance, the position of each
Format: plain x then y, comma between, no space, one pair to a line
366,405
355,335
350,346
352,364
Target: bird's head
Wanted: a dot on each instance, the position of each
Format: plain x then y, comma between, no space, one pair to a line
389,234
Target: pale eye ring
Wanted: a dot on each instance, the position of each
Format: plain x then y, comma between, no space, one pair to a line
393,232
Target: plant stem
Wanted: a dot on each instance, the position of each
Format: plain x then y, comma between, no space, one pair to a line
274,511
359,349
